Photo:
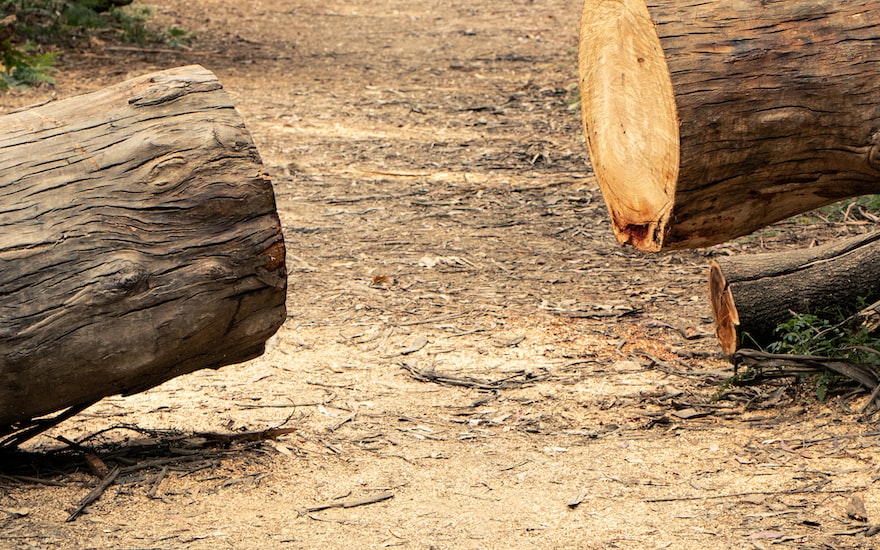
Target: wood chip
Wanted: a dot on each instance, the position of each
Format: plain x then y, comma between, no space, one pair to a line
576,501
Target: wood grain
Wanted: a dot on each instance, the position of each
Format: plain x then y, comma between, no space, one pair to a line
774,112
138,241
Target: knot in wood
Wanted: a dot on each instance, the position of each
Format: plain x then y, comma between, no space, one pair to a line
124,277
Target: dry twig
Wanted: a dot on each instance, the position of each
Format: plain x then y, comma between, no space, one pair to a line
349,503
774,365
750,493
517,380
20,434
95,493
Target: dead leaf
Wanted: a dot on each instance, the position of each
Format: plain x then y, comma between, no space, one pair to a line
415,346
855,509
381,281
766,535
281,448
754,499
15,513
685,414
427,261
509,343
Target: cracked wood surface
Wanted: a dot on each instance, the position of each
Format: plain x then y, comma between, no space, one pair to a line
138,241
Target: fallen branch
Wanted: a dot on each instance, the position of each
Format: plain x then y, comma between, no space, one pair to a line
158,480
140,241
780,365
29,479
349,503
31,429
261,435
430,375
95,493
703,125
750,493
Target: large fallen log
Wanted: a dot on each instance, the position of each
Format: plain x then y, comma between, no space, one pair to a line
138,241
708,120
751,295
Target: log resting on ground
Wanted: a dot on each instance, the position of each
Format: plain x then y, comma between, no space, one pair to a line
139,241
708,120
751,295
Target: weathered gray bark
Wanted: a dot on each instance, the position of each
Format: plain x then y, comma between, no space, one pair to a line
707,120
138,241
752,295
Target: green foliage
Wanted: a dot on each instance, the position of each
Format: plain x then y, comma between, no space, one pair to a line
828,336
79,16
840,211
20,68
800,335
814,337
28,28
175,36
839,338
132,24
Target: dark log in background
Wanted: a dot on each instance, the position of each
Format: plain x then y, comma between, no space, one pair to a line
707,120
754,294
139,241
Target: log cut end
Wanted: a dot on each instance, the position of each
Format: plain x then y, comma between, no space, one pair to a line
709,120
752,295
629,117
723,309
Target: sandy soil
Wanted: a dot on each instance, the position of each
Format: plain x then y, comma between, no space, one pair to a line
470,360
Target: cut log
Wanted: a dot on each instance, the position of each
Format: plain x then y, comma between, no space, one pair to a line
751,295
139,241
708,120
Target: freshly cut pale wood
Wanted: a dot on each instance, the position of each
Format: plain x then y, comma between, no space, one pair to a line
870,317
751,295
138,241
708,120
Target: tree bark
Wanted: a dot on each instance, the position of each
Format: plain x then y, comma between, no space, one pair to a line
138,241
751,295
708,120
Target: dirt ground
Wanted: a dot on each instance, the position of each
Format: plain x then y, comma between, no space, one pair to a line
470,360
